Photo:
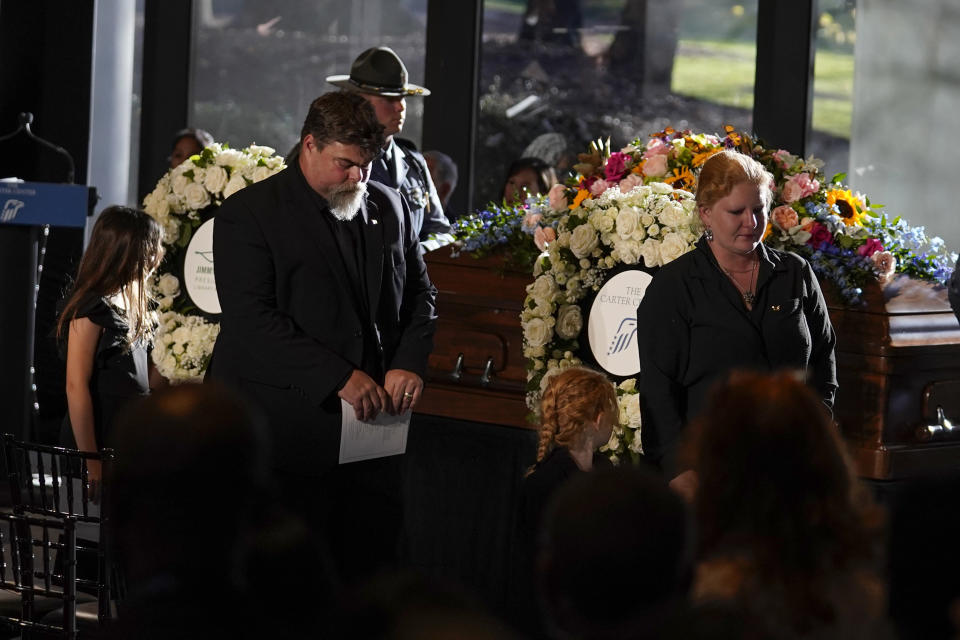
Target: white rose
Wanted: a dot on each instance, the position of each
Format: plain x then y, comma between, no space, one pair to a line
261,173
229,158
169,285
179,184
650,251
537,332
171,231
673,215
583,241
627,222
196,196
543,288
236,183
646,219
215,179
629,251
672,247
569,321
630,410
653,229
629,385
660,187
261,150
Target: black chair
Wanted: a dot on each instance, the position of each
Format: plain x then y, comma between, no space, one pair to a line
53,482
29,551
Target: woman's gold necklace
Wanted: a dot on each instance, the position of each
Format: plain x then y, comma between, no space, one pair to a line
749,295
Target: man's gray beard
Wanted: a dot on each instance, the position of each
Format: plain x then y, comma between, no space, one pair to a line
345,199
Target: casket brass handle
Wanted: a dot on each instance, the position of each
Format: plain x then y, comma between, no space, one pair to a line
458,368
943,429
487,372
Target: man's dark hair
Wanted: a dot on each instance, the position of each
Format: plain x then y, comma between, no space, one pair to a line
344,117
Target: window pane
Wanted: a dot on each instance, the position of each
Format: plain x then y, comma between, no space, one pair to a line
595,68
905,105
258,65
833,85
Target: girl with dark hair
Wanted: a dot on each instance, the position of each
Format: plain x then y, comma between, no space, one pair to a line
527,177
107,324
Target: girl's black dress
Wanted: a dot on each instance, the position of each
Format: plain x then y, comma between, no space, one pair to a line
120,371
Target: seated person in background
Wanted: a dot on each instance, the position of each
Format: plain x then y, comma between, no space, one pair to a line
552,148
614,558
186,143
190,472
443,170
527,177
788,537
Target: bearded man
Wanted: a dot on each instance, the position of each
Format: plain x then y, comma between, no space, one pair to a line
325,296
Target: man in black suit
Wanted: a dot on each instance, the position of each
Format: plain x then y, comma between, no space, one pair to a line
379,75
325,297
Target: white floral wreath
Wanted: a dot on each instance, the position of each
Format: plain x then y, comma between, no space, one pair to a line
183,199
654,223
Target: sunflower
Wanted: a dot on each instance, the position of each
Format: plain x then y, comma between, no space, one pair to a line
848,205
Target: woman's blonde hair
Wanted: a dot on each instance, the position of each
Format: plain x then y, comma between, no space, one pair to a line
725,170
573,398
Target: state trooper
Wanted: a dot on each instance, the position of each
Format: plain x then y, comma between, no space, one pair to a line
380,77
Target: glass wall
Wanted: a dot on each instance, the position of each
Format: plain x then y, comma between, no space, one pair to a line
833,85
258,65
905,108
584,69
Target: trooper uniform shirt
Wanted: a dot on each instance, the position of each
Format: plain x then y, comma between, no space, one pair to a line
402,167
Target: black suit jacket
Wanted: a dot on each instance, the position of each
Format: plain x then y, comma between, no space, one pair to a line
291,331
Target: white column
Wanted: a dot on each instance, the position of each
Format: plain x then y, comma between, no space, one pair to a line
110,102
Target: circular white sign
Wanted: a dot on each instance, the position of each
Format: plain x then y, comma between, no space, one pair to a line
612,327
198,270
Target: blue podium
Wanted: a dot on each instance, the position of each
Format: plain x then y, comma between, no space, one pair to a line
27,210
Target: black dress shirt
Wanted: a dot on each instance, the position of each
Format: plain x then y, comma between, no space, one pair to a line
694,329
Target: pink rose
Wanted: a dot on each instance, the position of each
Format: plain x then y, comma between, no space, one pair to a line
544,236
656,147
599,186
819,236
885,265
616,166
799,186
785,217
655,166
781,157
631,181
558,197
870,247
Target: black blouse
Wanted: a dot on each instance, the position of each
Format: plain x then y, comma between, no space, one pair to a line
120,371
694,328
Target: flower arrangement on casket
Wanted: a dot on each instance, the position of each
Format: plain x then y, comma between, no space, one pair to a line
622,225
839,232
184,199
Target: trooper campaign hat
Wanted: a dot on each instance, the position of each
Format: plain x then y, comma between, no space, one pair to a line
379,71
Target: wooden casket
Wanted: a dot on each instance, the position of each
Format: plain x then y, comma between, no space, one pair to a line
477,370
898,363
898,366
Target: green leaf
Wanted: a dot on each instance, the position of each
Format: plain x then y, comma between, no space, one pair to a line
838,178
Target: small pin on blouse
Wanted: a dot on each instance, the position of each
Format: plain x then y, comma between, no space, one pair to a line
373,221
774,307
